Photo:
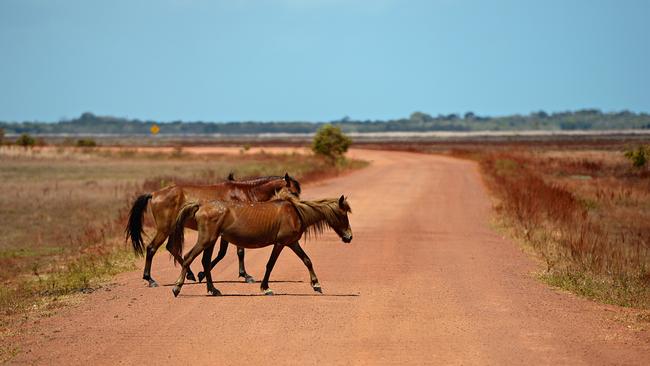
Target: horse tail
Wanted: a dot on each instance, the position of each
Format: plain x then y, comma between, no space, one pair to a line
177,237
134,228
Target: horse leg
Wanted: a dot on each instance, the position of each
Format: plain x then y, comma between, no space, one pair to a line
222,249
305,259
153,246
207,266
207,254
190,274
202,242
242,269
277,248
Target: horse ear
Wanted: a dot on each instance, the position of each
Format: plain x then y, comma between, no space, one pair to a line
287,179
231,176
341,202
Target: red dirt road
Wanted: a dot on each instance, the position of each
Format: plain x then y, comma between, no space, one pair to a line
426,280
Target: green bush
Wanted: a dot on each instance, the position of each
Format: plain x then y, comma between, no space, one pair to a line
331,143
25,140
86,143
639,156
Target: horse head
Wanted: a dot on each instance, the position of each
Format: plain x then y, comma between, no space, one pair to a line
342,225
292,185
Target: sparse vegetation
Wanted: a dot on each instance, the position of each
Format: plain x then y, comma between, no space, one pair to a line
331,143
586,213
25,140
177,152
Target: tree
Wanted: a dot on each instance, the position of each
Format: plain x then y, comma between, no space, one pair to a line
451,117
25,140
540,114
420,117
87,117
331,143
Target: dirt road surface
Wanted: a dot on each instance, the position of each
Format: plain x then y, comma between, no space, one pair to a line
426,280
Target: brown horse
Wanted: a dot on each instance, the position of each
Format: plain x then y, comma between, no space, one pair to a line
167,202
280,222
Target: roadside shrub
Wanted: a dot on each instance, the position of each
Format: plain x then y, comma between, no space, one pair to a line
86,143
2,136
638,156
331,143
25,140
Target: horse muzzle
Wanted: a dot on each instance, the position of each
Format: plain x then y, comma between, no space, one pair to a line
347,239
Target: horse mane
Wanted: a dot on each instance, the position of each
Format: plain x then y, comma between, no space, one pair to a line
262,180
317,215
257,181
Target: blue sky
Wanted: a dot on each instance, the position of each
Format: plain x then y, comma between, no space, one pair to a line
319,59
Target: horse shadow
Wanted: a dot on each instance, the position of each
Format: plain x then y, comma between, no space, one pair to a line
232,281
274,295
253,295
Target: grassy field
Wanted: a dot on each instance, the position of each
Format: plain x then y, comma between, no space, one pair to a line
586,212
63,210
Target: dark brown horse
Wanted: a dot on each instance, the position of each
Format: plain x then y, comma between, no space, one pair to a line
167,202
280,222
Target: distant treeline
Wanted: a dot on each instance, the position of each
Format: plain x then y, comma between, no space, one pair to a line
586,119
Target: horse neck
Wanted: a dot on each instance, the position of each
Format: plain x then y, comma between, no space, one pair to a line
265,191
314,215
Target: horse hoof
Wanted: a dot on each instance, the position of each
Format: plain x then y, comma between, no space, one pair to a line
268,292
317,288
214,292
201,276
176,290
249,279
153,283
190,276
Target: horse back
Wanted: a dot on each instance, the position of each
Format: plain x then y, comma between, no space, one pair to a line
254,225
167,202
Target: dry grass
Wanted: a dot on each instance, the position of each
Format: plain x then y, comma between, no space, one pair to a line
62,210
586,212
